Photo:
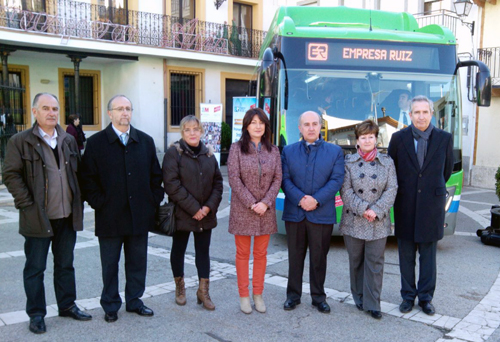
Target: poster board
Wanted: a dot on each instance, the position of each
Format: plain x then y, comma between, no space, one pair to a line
211,120
240,107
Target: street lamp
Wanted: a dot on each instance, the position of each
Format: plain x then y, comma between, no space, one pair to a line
218,3
462,9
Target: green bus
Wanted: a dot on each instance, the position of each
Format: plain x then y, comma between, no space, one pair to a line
352,64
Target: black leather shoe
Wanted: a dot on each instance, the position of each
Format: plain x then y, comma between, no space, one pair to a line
143,311
75,313
323,307
427,307
37,325
375,314
111,317
360,307
406,306
290,304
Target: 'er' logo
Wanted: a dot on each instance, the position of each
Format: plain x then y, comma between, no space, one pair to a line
317,52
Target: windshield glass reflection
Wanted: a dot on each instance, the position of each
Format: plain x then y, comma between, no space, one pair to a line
346,98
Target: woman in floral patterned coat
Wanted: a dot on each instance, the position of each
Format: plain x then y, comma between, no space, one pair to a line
369,189
254,170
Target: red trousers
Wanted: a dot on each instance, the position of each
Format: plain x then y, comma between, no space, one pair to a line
243,244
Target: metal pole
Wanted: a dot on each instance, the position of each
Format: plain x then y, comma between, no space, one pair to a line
76,59
5,79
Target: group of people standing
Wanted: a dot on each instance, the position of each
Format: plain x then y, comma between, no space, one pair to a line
121,179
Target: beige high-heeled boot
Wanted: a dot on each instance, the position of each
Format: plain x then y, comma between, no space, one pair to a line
260,306
180,291
245,305
203,295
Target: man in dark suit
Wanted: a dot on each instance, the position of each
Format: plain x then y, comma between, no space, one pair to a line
121,179
423,156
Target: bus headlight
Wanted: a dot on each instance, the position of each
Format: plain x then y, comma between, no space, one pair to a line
450,192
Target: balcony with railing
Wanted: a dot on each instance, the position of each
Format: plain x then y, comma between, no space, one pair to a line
74,19
491,57
442,17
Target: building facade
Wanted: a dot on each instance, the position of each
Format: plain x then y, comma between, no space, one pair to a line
167,56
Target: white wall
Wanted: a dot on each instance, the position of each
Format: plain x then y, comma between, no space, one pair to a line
142,83
151,6
214,15
487,151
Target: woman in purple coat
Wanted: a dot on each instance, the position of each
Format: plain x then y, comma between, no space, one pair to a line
75,129
254,170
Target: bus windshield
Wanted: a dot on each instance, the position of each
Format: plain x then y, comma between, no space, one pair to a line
345,98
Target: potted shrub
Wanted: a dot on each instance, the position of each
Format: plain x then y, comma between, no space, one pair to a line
225,142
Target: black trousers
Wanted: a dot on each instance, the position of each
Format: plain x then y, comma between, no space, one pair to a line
300,236
427,271
36,251
202,249
135,248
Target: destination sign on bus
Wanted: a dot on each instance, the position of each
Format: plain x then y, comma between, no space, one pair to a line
370,54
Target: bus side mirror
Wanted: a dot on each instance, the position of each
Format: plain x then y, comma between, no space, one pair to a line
483,88
267,74
483,81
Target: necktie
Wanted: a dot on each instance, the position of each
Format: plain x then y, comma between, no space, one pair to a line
124,138
405,121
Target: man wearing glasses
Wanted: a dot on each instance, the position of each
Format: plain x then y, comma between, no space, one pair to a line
121,179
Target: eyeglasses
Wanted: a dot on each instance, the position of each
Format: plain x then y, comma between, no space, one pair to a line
123,109
191,130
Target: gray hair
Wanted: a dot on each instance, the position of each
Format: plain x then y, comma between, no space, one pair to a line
37,98
110,102
422,98
189,119
307,112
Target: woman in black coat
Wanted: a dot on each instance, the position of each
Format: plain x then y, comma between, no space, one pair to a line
193,181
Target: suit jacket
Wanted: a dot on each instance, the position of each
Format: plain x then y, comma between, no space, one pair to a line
421,198
122,183
315,170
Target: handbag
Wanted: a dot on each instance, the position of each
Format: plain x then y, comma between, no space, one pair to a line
165,219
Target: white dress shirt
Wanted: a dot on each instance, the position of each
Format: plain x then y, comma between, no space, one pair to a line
402,115
50,140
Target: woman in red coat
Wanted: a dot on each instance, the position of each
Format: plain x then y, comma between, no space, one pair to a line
254,170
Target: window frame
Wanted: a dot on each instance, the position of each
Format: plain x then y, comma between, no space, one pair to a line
199,91
96,76
24,70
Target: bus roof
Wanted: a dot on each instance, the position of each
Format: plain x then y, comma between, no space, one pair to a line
353,23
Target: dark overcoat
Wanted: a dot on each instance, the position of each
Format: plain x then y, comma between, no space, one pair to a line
122,183
253,177
421,198
192,181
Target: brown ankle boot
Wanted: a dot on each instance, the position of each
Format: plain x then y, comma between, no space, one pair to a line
203,296
180,291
